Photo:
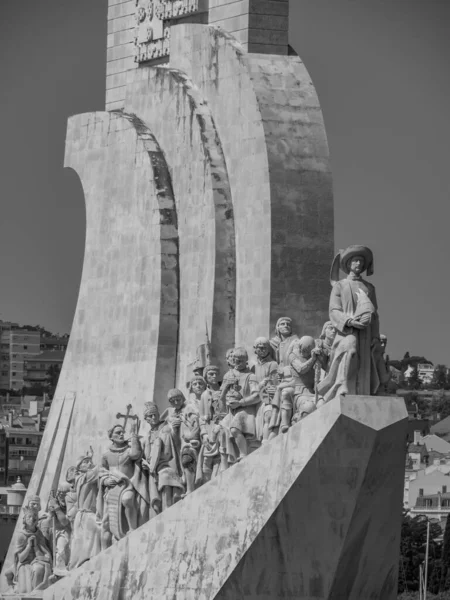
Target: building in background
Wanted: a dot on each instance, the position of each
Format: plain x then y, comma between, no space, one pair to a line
437,444
434,505
11,499
54,342
2,455
22,445
442,429
22,422
425,373
417,427
37,369
424,485
16,344
19,345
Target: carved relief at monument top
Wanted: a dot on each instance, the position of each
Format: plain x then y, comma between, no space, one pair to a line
153,20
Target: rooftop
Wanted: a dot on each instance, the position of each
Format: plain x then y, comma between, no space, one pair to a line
442,496
47,355
442,426
54,341
412,447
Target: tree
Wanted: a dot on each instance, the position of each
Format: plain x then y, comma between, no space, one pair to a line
412,550
36,389
445,559
413,380
405,362
441,406
440,379
434,580
53,373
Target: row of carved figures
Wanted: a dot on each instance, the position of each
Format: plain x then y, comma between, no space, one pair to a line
222,420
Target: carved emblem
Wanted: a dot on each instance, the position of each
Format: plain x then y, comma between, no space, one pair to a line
153,19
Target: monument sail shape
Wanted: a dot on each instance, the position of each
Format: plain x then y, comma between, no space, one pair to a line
209,225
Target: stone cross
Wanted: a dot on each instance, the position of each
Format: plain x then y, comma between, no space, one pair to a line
126,417
139,32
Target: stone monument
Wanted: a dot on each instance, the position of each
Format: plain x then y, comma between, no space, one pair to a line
210,225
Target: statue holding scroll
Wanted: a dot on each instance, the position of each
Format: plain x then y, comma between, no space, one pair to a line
356,365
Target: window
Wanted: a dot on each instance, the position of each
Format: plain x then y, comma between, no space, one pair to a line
25,347
444,489
420,491
14,355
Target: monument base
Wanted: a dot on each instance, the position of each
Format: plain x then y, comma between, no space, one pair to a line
314,513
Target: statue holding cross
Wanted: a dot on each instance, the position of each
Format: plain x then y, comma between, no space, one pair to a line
126,501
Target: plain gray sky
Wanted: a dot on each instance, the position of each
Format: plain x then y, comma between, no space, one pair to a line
381,69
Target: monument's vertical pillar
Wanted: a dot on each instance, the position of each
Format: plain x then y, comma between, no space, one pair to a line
271,129
259,26
120,50
267,136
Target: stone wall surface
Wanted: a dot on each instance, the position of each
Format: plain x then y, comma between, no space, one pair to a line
261,26
315,513
273,137
124,338
120,50
301,189
116,347
167,101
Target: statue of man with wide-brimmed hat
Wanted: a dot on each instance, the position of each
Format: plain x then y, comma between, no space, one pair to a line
356,365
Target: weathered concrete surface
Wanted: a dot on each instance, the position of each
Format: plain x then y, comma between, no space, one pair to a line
124,340
268,117
259,25
180,118
123,343
315,513
246,144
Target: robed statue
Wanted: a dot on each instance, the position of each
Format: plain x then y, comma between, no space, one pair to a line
355,365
